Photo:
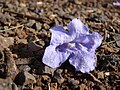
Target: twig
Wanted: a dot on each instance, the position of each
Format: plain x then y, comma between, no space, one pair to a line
115,73
114,33
111,42
11,28
95,79
23,15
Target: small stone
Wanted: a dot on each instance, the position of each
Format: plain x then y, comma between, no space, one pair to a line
117,38
38,88
23,41
78,2
31,23
99,87
36,45
58,77
24,68
10,40
6,42
53,86
49,70
41,43
102,87
22,5
1,56
12,70
14,86
5,27
38,26
46,26
39,3
29,78
73,82
46,78
65,71
25,78
83,87
23,61
100,75
7,84
107,73
52,16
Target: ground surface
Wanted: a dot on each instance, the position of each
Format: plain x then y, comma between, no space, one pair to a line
24,35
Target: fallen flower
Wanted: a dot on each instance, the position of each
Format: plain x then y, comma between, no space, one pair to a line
39,11
116,3
76,44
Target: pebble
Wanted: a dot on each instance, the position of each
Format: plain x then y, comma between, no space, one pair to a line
35,45
31,23
23,61
46,26
24,78
117,38
12,69
6,42
49,70
58,77
7,84
1,56
83,87
38,26
53,86
24,68
100,75
39,3
45,78
73,82
38,88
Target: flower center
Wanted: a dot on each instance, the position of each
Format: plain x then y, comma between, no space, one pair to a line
71,45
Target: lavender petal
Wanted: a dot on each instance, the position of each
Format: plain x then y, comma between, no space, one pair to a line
83,60
76,27
53,57
116,3
59,36
91,41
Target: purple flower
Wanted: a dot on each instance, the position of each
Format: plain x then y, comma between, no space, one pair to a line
116,3
76,44
38,11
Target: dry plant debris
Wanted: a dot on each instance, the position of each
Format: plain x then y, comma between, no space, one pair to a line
24,35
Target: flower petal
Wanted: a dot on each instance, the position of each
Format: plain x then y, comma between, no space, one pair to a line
83,60
116,3
53,57
77,27
59,36
91,41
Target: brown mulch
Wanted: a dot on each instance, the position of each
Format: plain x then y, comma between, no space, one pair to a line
24,35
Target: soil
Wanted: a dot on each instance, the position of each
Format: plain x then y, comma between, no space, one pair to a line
24,35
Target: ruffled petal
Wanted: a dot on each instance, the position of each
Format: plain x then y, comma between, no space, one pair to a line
116,3
59,36
53,57
91,41
83,60
76,27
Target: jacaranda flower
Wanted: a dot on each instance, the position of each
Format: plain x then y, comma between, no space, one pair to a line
116,3
76,44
